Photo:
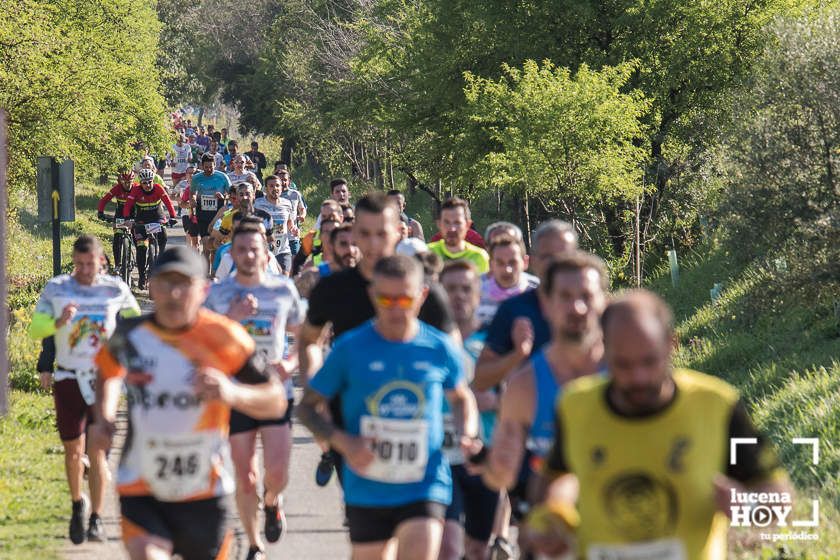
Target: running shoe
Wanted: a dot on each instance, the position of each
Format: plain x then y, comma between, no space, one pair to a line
275,521
323,473
77,520
255,553
96,529
501,549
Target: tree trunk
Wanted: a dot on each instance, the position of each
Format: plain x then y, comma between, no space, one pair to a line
200,114
287,150
527,215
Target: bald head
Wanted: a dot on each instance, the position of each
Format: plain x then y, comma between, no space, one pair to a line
638,340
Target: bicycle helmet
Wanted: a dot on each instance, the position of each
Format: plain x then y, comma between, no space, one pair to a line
146,175
126,176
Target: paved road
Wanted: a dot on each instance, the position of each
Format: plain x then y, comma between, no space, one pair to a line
314,514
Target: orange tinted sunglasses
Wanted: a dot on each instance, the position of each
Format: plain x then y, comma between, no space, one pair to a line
403,302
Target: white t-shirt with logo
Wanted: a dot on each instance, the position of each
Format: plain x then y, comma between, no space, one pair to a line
182,158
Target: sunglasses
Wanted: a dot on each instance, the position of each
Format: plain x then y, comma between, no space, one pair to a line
145,182
390,302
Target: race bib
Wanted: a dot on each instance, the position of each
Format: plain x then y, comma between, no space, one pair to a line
207,203
182,160
86,378
177,466
668,549
451,441
401,448
153,228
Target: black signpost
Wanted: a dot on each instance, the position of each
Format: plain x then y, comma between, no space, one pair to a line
56,199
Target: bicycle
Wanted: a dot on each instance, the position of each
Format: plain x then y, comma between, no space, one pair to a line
128,256
152,248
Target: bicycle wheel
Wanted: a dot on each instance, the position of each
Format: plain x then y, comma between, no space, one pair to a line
151,255
127,262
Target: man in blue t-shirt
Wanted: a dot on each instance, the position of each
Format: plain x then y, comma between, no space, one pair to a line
207,194
518,329
392,374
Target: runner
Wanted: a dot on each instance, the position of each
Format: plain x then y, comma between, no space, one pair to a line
340,193
177,366
343,254
267,306
507,277
298,204
189,221
119,192
285,224
573,296
519,327
239,174
245,206
148,162
641,461
391,374
470,517
414,227
498,228
453,223
223,262
149,198
80,310
181,157
343,298
207,191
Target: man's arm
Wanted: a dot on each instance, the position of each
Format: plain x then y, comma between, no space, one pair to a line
310,348
464,410
492,368
516,413
253,390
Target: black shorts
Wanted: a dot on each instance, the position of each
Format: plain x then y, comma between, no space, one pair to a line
473,504
240,423
72,413
204,222
375,524
190,227
196,529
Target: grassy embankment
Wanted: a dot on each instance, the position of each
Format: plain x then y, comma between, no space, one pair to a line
783,353
34,503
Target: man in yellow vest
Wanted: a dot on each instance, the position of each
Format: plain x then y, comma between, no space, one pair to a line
642,463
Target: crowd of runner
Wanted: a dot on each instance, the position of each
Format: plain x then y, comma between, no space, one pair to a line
454,394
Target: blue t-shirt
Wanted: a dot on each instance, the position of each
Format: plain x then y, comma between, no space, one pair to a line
204,186
217,259
524,305
394,392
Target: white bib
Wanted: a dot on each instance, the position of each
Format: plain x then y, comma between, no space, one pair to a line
401,448
666,549
177,466
207,202
86,378
451,441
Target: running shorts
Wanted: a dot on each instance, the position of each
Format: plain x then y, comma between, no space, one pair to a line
375,524
72,413
473,504
240,423
196,529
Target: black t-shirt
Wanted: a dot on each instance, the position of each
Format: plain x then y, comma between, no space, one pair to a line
342,299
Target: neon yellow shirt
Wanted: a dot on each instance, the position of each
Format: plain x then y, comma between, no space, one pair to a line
472,253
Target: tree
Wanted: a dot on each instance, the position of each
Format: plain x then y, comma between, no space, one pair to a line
575,141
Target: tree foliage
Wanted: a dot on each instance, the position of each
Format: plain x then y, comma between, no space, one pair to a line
78,80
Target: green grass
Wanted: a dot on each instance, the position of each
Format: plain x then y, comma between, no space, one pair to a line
780,345
34,500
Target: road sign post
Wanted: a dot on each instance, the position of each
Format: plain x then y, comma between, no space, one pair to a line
56,199
4,313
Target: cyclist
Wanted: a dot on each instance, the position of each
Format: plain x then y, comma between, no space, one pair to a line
453,224
641,464
178,366
80,311
119,193
392,374
149,198
267,306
